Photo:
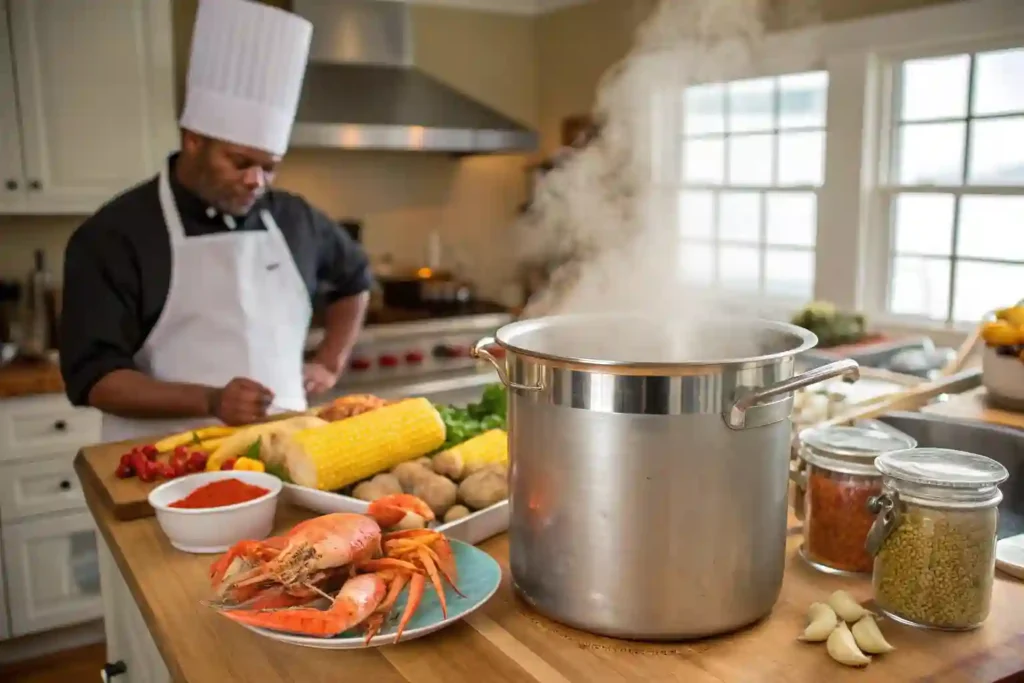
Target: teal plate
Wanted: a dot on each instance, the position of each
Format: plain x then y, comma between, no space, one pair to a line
479,578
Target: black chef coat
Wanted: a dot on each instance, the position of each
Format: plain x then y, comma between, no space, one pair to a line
117,271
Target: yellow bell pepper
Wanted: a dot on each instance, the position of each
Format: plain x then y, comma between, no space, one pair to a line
249,465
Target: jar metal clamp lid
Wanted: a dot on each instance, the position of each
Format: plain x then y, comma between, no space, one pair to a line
938,477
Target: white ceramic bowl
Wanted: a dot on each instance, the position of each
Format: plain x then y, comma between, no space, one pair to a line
214,530
1003,378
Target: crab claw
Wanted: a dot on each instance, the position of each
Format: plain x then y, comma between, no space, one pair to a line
400,510
357,600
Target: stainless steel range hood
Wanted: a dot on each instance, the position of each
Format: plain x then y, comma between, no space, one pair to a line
363,91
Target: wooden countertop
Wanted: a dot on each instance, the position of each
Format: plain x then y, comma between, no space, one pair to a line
28,378
974,405
506,641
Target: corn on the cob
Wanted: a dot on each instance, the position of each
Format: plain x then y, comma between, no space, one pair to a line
347,451
483,449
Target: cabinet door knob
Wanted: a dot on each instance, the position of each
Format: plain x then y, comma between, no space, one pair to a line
65,485
115,669
35,185
60,425
11,185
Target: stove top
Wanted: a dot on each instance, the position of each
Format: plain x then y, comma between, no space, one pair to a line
384,316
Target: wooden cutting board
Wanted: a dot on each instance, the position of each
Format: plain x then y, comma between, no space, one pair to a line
127,498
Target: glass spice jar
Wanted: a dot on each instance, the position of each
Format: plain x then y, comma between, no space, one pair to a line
934,538
837,478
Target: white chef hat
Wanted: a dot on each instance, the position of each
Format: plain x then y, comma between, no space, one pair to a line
245,73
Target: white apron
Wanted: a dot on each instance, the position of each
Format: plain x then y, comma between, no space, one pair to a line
237,307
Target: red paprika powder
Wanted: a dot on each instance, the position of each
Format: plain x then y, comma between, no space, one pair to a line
839,465
220,493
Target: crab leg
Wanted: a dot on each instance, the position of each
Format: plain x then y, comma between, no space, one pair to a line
355,602
416,583
428,564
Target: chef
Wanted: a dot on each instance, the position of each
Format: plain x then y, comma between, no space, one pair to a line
187,299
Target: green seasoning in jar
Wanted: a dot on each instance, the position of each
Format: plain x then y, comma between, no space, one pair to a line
839,477
934,539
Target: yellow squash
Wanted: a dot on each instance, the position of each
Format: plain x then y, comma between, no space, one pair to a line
238,443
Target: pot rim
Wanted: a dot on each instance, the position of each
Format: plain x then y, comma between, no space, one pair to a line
808,340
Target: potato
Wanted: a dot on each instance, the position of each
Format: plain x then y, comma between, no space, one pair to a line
456,512
438,492
388,483
408,473
425,461
449,464
483,489
500,467
368,491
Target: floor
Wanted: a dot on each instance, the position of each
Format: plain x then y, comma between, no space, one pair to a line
72,666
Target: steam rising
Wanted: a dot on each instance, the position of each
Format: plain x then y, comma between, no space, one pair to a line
609,214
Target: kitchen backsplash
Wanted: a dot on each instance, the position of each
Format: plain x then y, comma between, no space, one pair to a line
400,197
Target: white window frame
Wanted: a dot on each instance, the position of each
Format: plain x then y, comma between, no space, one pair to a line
887,188
852,265
763,191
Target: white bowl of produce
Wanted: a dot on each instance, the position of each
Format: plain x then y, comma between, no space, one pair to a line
215,529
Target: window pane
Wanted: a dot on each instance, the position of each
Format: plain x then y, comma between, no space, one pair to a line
924,223
704,109
750,160
920,287
789,273
697,214
997,82
801,158
935,88
992,227
739,268
997,151
752,105
704,161
792,218
931,154
802,100
698,263
982,287
740,216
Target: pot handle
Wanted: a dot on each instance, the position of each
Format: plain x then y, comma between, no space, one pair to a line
741,415
480,352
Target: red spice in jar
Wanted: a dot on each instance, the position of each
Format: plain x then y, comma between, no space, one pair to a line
838,520
220,493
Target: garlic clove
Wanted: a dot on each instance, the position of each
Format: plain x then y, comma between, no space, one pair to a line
843,648
869,637
848,609
822,621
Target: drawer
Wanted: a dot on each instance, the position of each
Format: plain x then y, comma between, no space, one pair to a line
45,424
35,487
52,572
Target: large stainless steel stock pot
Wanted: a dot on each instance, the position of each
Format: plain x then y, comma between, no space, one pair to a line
649,468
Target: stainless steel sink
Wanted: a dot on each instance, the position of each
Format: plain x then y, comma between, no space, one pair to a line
1004,444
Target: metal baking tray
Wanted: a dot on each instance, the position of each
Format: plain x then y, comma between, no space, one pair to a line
476,528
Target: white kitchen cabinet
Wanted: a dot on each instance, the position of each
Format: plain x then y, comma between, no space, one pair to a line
12,176
127,636
42,425
94,105
5,626
39,486
52,572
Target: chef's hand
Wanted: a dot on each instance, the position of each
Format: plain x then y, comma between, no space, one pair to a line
318,378
242,401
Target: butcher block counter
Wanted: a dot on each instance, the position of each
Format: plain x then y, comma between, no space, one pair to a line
158,628
29,378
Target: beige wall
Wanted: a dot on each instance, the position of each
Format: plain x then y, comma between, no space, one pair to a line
400,196
576,45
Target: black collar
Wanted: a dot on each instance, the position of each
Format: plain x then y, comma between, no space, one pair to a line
194,208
